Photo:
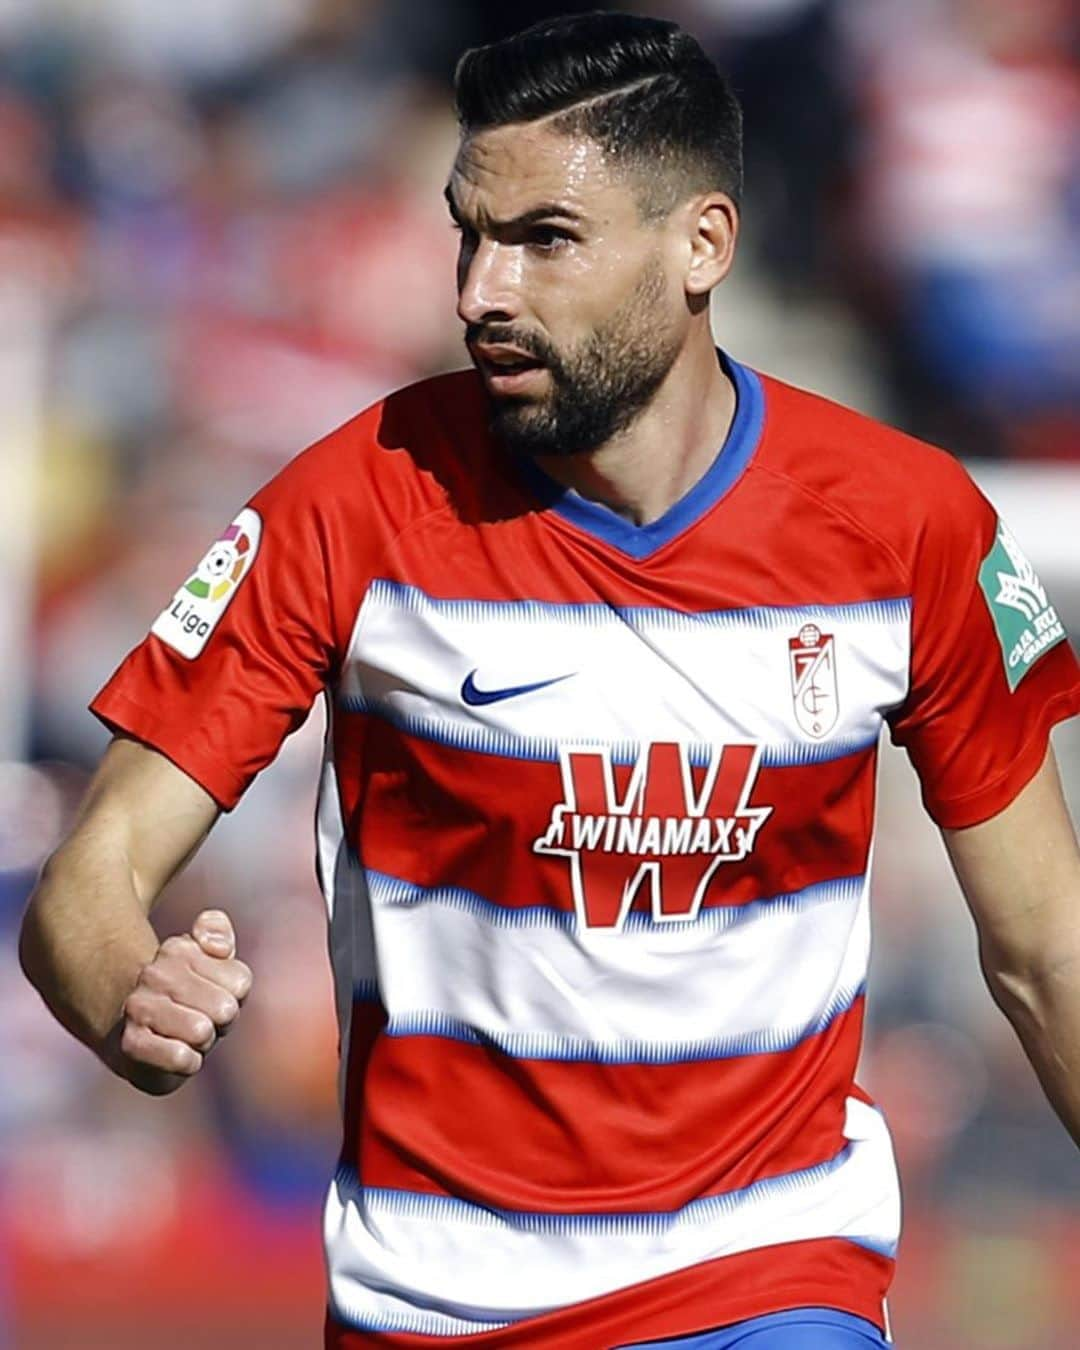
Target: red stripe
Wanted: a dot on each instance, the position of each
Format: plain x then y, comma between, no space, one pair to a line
448,1118
433,815
827,1272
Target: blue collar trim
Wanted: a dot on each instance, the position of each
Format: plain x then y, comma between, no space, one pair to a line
640,541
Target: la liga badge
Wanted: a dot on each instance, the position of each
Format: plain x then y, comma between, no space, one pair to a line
814,693
196,608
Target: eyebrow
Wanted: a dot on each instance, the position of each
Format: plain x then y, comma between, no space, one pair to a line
545,211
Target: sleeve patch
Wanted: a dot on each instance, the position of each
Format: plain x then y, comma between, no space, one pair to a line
1025,621
196,608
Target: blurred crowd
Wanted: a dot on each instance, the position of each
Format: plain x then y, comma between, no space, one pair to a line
221,233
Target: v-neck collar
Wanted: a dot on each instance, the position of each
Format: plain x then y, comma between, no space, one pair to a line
640,541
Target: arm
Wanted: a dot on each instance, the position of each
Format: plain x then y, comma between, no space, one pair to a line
1020,873
149,1010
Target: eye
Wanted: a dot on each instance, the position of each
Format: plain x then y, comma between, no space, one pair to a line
547,238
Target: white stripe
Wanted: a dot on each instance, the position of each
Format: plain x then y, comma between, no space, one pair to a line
739,980
450,1265
636,675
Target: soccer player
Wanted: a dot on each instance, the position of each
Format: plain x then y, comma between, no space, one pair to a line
608,628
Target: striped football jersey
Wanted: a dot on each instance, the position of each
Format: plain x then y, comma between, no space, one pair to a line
594,831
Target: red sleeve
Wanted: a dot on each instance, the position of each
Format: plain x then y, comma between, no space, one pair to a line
233,663
991,666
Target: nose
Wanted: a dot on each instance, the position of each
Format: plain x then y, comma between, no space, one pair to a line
488,282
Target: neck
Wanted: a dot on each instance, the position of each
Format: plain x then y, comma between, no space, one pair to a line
655,461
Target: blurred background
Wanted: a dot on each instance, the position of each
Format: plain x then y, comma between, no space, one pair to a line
221,233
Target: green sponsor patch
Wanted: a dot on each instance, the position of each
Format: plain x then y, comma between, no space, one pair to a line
1025,621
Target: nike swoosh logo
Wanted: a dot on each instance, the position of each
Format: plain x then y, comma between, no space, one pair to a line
479,698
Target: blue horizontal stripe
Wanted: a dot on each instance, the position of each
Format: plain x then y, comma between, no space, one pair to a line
419,1323
400,595
393,891
887,1249
449,1209
577,1050
485,740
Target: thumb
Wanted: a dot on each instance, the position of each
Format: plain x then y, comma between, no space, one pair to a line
214,933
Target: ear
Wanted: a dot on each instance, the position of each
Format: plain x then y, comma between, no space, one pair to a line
713,228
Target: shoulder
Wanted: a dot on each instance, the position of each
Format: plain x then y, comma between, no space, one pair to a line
398,457
897,490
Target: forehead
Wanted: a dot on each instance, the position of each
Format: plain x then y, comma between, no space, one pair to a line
505,171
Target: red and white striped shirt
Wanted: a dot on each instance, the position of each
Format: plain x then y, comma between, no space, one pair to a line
595,832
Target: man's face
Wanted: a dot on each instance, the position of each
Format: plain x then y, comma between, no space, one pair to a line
573,306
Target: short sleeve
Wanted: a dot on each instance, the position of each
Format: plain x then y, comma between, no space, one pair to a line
991,667
234,662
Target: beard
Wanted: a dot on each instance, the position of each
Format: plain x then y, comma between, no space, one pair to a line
598,387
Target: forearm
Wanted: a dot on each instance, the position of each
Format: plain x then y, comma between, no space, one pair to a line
1043,1004
86,937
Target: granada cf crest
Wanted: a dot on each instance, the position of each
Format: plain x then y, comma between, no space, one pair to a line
813,680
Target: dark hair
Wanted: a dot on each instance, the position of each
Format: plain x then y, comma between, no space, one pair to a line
642,88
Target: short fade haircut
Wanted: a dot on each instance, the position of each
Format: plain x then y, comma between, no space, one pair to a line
642,89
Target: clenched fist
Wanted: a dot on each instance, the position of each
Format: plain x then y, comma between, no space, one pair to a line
184,999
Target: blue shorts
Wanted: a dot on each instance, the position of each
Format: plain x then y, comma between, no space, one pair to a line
803,1329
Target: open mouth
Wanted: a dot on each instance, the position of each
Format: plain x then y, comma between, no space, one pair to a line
507,370
510,366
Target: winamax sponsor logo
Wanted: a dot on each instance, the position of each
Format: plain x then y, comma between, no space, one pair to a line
661,823
1025,621
198,605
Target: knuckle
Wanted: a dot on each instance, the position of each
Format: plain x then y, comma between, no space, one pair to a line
202,1030
179,945
244,979
137,1006
182,1059
131,1039
227,1008
155,976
